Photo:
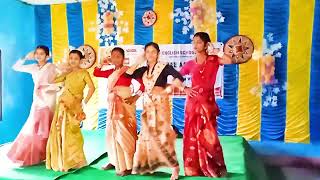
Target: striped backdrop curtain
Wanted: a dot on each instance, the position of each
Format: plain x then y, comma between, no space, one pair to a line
287,110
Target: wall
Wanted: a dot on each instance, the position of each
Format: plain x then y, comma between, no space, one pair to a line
17,37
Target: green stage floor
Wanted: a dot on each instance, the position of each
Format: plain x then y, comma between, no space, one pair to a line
241,161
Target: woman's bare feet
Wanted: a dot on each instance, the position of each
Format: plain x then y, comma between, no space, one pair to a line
124,173
64,170
81,164
175,173
108,166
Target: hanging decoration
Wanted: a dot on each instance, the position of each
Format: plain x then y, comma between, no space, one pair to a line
149,18
108,22
240,48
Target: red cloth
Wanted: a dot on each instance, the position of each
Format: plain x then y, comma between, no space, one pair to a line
202,152
123,80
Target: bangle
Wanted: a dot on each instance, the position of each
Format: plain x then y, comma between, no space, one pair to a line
220,54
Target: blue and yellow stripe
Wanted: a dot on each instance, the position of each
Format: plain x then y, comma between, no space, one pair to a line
59,28
227,122
142,34
293,23
128,13
75,24
89,36
43,28
276,17
298,71
314,97
178,36
249,102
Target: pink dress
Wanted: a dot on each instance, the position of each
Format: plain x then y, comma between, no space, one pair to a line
29,147
202,152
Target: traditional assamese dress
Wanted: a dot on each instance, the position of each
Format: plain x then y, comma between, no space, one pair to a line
65,144
121,125
29,147
156,141
202,152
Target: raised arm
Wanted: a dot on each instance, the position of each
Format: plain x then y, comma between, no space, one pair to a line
140,60
19,66
136,74
100,73
178,79
60,78
223,58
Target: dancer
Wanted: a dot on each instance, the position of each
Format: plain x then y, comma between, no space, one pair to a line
202,152
121,128
156,142
29,147
65,144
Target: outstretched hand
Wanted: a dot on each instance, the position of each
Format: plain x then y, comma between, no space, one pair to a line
190,92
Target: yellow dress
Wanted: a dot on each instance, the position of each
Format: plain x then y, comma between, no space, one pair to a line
65,144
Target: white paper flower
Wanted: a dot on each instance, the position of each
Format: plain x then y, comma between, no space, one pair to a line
274,98
265,103
270,37
271,49
278,55
276,90
185,30
188,17
186,13
221,19
191,36
268,98
264,90
275,47
274,103
185,22
178,10
219,14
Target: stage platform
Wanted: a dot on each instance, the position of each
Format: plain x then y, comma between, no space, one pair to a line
242,163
